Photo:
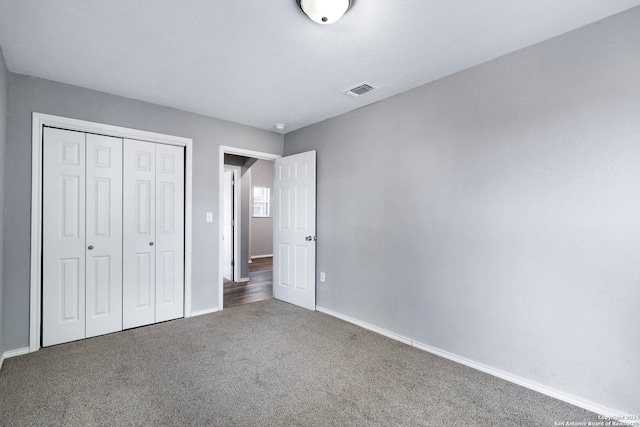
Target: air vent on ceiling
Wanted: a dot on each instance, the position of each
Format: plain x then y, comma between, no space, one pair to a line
360,89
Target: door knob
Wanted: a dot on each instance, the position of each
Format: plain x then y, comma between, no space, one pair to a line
150,243
310,238
90,248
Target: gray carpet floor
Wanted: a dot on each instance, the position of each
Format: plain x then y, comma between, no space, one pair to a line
262,364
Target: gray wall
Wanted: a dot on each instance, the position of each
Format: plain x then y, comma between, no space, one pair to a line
27,94
261,228
4,76
495,213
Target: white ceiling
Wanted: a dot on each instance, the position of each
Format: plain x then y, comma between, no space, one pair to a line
262,62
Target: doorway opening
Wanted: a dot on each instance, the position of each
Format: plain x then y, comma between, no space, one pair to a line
246,223
259,287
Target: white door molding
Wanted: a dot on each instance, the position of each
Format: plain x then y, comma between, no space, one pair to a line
237,222
224,149
237,219
38,122
228,221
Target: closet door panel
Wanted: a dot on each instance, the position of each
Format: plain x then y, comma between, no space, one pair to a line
104,235
63,260
169,232
139,216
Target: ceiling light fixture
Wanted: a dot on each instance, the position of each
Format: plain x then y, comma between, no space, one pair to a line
280,126
324,11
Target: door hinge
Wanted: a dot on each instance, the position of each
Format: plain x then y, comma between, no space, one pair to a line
233,263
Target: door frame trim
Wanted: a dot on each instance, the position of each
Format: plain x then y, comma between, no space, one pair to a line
40,120
237,220
225,149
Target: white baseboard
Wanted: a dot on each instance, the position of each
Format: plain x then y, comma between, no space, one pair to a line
557,394
262,256
242,280
16,352
364,325
606,412
205,311
13,353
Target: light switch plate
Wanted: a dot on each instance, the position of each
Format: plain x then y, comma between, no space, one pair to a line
209,216
322,276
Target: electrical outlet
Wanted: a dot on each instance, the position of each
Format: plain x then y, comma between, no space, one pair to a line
322,276
209,216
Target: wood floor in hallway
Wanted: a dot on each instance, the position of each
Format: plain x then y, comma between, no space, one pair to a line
258,288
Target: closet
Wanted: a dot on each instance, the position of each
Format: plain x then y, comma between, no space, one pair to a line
153,233
112,234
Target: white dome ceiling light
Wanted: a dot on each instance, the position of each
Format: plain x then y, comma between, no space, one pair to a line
324,11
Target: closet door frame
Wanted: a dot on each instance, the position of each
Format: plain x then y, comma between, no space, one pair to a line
39,121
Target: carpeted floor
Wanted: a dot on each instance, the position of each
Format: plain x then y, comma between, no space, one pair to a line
262,364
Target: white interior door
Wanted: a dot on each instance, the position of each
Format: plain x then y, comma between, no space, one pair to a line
169,232
63,237
139,224
153,247
227,225
103,235
294,234
113,249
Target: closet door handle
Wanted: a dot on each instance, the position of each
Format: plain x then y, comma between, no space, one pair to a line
150,243
90,248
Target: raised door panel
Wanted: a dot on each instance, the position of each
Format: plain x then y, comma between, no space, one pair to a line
103,235
63,260
169,232
139,224
283,233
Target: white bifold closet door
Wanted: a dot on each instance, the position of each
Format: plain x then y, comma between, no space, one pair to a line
113,234
153,288
82,236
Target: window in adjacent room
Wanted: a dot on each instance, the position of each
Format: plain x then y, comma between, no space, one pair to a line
261,202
